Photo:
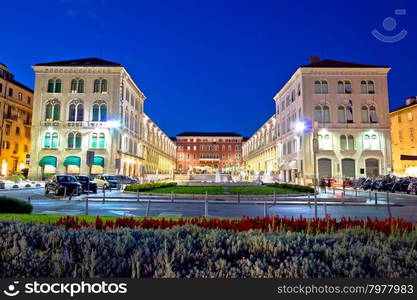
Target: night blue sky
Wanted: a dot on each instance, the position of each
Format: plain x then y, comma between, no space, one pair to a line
210,65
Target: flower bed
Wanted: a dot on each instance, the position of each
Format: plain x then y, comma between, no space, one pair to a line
267,224
41,250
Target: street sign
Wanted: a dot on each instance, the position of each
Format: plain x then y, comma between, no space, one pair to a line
90,158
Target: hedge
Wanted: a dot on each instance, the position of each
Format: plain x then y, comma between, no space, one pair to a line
31,250
148,186
295,187
14,205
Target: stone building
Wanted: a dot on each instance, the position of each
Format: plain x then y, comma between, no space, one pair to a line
93,105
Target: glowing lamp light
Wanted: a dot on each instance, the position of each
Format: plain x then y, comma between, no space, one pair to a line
113,124
300,126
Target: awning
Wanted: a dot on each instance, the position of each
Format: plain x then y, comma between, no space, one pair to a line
72,161
48,161
98,161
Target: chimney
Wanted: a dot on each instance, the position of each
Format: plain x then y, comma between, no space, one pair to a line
410,100
314,59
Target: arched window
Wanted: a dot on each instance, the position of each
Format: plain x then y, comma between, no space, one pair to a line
364,114
366,142
321,87
343,142
326,114
127,118
76,111
96,87
50,140
131,121
340,87
74,84
54,85
99,111
74,140
52,110
372,114
100,85
81,86
364,87
103,85
325,142
318,114
374,142
341,114
350,142
348,87
102,141
324,87
47,140
94,140
371,87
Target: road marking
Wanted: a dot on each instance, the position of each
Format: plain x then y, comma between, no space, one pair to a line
122,213
170,215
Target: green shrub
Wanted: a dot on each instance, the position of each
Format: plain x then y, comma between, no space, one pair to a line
32,250
14,205
295,187
148,186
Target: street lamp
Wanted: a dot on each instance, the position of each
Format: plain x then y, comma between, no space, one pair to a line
315,150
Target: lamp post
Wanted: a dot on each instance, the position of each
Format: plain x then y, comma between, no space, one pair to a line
315,150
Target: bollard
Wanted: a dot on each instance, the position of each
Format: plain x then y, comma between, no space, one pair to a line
370,195
388,207
28,199
376,198
86,205
138,197
104,194
65,192
325,209
308,197
344,190
334,190
148,207
172,197
265,210
315,207
356,193
274,197
205,206
238,197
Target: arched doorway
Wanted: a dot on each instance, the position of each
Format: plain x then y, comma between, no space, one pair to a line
372,167
325,168
348,168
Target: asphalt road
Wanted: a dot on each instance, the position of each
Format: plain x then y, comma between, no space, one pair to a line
403,206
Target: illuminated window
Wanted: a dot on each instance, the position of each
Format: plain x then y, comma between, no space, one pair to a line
325,142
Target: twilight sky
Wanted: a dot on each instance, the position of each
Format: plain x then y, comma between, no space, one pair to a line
211,65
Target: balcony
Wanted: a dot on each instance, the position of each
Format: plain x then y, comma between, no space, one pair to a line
50,122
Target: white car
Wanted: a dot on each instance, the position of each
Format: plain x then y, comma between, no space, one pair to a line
107,181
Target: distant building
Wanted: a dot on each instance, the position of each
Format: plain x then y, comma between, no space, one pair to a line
349,104
16,102
206,152
404,139
260,150
94,105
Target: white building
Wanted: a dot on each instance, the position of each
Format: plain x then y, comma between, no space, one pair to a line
93,104
354,136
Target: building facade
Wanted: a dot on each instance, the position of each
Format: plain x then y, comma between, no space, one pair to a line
206,152
93,105
403,138
345,105
260,150
16,101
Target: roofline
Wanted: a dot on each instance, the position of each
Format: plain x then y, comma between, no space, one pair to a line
402,108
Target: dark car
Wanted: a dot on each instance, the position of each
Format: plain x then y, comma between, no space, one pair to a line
63,185
87,184
123,179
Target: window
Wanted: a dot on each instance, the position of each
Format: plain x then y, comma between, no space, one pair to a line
372,114
347,142
298,90
98,140
321,87
411,134
29,100
100,86
7,129
326,114
53,110
340,87
344,87
74,140
341,114
10,92
50,140
325,142
348,87
77,85
17,130
76,111
351,142
343,142
365,114
19,96
1,88
54,85
317,114
99,111
410,116
367,87
371,142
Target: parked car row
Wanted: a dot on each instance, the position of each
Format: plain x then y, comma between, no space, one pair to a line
78,184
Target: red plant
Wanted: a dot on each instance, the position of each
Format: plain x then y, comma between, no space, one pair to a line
267,224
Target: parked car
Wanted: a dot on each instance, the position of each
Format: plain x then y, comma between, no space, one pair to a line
107,181
86,183
126,179
63,185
